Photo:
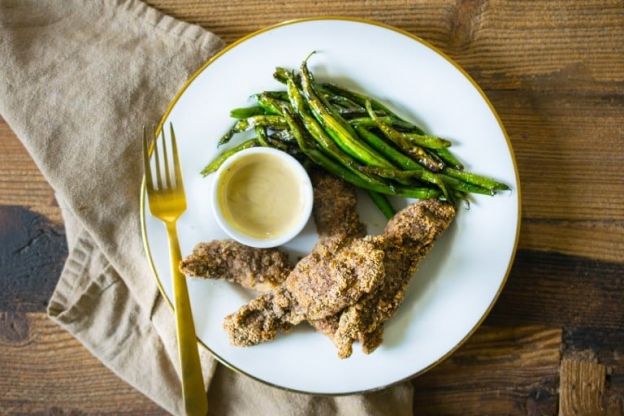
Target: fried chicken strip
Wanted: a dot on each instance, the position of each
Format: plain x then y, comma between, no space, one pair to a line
253,268
362,309
333,276
337,224
407,238
335,203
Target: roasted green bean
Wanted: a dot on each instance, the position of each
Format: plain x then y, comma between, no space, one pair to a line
218,161
328,164
244,112
448,158
280,74
250,122
421,174
365,121
361,100
339,130
475,179
262,137
465,187
269,104
381,202
387,149
339,94
356,138
284,135
430,142
343,102
411,149
278,95
318,134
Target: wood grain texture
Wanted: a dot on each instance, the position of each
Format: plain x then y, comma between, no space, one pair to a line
21,182
607,348
506,370
553,289
554,71
46,371
500,370
582,385
595,239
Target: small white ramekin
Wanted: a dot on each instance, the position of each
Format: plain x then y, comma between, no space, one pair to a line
306,192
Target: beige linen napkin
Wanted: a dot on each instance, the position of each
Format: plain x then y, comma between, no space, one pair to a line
78,79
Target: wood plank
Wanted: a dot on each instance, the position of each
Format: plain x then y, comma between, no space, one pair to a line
606,344
32,253
506,370
524,40
607,347
598,240
500,42
500,370
21,182
569,149
234,20
563,291
46,371
550,34
544,288
582,385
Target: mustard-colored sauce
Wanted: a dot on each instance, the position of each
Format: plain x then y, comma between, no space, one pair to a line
260,196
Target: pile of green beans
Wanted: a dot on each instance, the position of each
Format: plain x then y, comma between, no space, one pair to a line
356,138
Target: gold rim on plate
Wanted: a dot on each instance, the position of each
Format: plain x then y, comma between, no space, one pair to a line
450,61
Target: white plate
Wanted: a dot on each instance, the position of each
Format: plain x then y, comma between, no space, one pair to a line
459,280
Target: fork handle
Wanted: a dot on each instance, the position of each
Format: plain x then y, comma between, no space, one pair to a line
193,390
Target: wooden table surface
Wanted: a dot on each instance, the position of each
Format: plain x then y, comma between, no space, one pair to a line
554,342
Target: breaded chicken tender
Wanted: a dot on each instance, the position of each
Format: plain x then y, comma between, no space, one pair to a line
261,269
362,280
346,288
407,238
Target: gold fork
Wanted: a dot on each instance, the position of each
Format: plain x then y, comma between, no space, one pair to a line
167,202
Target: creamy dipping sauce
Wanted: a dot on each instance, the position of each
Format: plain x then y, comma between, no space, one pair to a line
260,196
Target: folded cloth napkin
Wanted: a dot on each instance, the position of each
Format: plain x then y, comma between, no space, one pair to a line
78,79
